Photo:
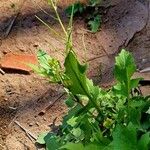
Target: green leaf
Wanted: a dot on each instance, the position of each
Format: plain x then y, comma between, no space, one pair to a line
144,142
43,66
79,146
43,59
78,8
135,82
94,2
72,121
76,73
41,137
50,68
124,69
94,146
77,132
69,102
50,140
71,115
120,89
53,143
95,91
95,23
124,66
124,138
134,116
148,111
138,103
73,146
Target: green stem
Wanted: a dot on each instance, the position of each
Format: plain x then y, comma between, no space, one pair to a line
69,33
128,88
58,17
49,27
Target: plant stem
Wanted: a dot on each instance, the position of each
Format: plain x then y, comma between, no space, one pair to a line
50,28
58,17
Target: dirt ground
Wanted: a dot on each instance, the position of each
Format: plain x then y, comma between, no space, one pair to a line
126,24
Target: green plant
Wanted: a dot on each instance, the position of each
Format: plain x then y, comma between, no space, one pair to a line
94,18
78,8
98,119
114,119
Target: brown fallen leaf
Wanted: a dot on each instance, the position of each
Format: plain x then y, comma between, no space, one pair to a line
18,61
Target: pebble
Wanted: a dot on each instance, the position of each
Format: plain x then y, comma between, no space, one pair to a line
44,119
37,123
30,124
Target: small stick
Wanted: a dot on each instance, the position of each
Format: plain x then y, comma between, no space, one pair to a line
51,105
9,126
28,133
145,70
2,72
1,146
11,25
8,30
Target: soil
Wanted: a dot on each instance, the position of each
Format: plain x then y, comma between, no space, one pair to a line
23,97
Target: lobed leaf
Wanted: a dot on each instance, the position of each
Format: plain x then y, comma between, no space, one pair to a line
76,74
95,23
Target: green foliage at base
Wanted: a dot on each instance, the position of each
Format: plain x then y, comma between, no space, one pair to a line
94,18
98,119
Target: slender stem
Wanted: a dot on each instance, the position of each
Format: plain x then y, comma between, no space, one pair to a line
36,4
84,46
49,27
71,24
58,17
69,44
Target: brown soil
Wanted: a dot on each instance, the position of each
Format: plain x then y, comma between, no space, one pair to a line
23,97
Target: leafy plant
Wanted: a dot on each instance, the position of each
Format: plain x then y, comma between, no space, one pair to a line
97,119
78,8
94,18
94,23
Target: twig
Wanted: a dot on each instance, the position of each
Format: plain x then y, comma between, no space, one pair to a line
51,105
51,29
96,57
84,47
8,30
37,5
1,146
145,70
28,133
58,17
10,25
148,7
13,120
2,72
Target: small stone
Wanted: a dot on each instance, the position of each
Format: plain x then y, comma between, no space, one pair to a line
30,124
44,119
37,123
8,90
5,99
144,60
5,52
35,45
